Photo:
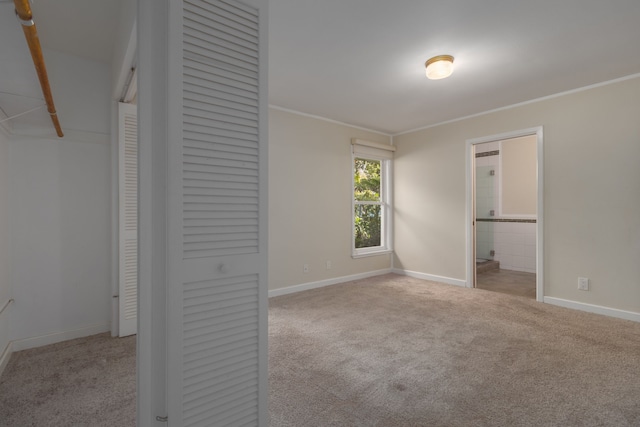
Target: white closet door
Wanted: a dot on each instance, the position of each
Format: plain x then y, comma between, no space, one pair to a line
216,295
128,209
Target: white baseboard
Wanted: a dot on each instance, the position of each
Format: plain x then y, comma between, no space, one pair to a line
5,356
53,338
431,277
597,309
328,282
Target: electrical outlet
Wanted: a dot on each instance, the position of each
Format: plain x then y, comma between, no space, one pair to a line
328,265
305,268
583,283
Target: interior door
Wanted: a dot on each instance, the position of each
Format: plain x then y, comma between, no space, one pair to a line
128,219
217,288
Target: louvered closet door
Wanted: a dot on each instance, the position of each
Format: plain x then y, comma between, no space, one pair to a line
128,219
217,220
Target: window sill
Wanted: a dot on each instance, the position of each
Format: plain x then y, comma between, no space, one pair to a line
371,253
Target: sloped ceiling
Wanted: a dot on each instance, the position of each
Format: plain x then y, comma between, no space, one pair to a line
84,28
362,61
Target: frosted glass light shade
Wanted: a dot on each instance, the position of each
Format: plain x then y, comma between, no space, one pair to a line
439,67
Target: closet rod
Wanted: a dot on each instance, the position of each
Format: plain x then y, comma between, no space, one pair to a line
23,12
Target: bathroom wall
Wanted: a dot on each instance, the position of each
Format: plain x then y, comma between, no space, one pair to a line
515,245
487,172
518,178
511,232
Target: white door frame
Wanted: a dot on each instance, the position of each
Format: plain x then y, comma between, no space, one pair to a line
153,143
470,216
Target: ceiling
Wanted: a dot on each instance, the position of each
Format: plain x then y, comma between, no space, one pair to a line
84,28
362,61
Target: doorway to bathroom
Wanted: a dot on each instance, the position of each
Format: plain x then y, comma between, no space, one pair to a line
505,213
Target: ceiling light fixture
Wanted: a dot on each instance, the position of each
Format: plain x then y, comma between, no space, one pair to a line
439,67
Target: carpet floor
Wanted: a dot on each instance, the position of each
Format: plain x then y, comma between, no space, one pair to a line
385,351
83,382
398,351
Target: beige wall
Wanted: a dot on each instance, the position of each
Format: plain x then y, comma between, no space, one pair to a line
518,176
591,193
310,200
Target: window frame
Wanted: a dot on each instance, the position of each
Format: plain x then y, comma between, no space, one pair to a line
385,203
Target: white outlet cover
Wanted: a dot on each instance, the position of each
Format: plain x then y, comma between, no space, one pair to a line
583,283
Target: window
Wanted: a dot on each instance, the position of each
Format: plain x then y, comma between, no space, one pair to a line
371,171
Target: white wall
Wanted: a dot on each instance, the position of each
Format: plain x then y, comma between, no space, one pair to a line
60,223
591,193
514,243
5,245
124,49
59,198
310,182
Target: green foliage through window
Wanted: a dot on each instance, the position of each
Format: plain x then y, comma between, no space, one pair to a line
368,216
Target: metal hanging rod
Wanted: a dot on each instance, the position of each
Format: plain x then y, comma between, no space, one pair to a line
23,12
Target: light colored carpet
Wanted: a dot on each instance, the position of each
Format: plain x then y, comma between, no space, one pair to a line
385,351
397,351
83,382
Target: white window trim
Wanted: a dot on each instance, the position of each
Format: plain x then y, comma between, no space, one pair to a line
384,153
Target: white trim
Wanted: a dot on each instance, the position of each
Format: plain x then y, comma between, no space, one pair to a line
521,104
540,219
388,147
538,131
324,119
152,38
55,337
374,251
596,309
430,277
5,356
327,282
263,217
115,200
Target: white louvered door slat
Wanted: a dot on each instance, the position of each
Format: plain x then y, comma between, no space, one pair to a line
128,218
217,248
